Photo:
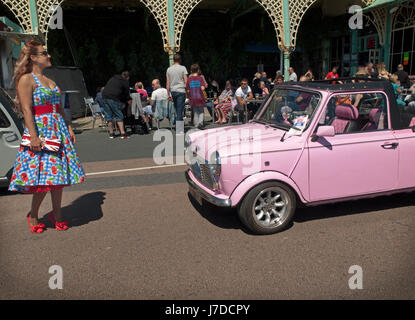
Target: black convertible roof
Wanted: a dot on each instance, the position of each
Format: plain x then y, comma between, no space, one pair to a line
348,84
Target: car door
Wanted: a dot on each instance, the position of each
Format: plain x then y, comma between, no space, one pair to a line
362,161
406,140
10,136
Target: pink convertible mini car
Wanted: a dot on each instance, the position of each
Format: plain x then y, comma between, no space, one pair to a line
310,143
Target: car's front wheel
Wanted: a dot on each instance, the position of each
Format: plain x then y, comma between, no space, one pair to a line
268,208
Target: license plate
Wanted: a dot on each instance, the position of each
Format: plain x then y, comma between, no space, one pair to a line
196,196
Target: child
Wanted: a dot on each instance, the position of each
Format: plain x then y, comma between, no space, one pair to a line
396,89
195,86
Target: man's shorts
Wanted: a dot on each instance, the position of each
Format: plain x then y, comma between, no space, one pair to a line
148,110
112,109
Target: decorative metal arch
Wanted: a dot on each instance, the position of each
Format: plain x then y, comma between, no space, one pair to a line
159,10
275,12
182,9
298,8
21,11
45,12
404,16
378,18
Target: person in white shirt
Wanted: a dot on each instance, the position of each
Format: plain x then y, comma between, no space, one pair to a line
293,75
244,94
159,100
176,79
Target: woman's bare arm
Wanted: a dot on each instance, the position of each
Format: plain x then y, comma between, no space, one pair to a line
24,93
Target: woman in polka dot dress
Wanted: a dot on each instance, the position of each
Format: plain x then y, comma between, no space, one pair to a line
36,170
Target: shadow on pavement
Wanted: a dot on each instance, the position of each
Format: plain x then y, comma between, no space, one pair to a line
226,218
355,207
5,192
83,210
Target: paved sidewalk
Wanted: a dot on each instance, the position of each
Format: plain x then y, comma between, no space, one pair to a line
85,123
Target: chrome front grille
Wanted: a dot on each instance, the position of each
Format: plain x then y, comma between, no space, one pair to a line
203,174
206,176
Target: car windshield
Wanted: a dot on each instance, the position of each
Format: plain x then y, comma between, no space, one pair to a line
289,109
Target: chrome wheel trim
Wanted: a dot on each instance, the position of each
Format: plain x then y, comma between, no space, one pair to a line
270,207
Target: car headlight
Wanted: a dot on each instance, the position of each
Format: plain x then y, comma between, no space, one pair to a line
215,158
187,142
215,165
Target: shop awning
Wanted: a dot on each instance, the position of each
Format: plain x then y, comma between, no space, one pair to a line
382,3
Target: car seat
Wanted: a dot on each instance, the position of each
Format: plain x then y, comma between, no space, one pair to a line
345,120
374,116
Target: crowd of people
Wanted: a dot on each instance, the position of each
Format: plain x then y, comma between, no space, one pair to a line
194,89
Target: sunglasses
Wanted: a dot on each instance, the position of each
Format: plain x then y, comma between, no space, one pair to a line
244,84
43,53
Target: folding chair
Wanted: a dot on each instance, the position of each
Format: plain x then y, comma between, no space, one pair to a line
88,102
235,111
97,114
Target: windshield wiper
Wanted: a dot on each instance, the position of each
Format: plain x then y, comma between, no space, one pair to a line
292,127
260,121
278,126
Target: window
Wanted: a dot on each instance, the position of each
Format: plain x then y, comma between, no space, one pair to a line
288,108
403,49
4,122
408,113
352,113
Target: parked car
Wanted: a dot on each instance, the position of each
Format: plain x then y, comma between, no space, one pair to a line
11,130
310,143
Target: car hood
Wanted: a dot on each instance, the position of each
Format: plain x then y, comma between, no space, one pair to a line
249,138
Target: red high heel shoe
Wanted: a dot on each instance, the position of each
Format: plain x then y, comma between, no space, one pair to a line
61,226
39,228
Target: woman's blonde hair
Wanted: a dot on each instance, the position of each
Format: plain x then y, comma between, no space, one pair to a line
25,65
393,78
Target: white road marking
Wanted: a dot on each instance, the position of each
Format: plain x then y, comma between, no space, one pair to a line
134,169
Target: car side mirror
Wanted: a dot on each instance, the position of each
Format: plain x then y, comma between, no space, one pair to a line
323,131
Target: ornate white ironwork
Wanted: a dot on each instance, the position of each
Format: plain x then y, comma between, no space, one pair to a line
158,8
378,17
182,9
21,10
274,10
405,15
45,11
368,2
297,10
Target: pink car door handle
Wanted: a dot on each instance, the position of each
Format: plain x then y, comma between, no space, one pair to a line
390,145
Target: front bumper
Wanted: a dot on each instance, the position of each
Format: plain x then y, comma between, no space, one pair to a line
220,202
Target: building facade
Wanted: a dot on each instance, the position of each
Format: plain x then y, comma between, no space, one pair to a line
388,36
